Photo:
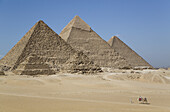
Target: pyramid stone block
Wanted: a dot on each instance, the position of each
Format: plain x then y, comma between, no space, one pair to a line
82,38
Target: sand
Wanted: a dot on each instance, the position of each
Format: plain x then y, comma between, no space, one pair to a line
104,92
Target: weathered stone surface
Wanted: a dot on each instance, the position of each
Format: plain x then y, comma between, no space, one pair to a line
34,65
2,73
4,68
50,50
131,56
82,38
80,63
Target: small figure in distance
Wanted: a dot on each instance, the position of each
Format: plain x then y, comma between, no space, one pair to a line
131,101
145,100
140,99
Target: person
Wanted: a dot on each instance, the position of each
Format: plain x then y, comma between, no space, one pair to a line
140,99
131,100
145,100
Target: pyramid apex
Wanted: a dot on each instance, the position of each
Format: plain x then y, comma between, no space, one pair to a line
76,16
114,37
77,22
40,21
111,40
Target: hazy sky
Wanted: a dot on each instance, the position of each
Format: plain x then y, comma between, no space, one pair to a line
144,25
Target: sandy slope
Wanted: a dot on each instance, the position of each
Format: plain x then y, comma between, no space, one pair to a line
106,92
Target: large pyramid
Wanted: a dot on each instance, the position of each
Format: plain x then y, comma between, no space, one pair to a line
131,56
43,42
82,38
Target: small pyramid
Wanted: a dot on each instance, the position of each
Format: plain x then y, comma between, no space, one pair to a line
82,38
34,65
42,41
131,56
80,63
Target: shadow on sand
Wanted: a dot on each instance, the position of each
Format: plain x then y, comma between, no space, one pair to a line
145,103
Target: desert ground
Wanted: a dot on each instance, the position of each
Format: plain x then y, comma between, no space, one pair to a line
112,90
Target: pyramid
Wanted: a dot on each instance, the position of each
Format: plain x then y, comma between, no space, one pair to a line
34,65
82,38
45,43
40,40
131,56
80,63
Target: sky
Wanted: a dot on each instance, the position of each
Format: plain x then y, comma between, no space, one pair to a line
144,25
